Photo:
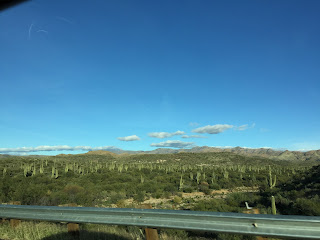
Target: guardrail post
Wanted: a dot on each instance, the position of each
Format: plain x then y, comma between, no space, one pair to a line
73,228
15,222
251,210
2,220
151,233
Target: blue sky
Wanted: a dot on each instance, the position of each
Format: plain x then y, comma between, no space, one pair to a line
235,73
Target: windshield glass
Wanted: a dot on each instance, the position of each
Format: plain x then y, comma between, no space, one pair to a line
183,105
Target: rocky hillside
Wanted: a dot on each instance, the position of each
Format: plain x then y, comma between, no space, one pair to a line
261,152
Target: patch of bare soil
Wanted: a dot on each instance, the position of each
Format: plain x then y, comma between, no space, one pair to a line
194,196
218,193
157,201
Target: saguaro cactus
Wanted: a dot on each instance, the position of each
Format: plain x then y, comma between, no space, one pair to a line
213,176
52,172
198,177
25,171
66,169
41,169
226,174
120,168
191,176
181,183
273,205
34,169
272,180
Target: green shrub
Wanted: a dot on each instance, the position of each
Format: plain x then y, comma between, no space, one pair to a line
188,189
177,199
114,197
214,186
140,196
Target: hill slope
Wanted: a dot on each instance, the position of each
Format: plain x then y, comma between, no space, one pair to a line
259,152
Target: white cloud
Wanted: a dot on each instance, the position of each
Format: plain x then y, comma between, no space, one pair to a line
213,129
242,127
54,148
129,138
193,136
173,143
245,127
165,134
194,124
305,146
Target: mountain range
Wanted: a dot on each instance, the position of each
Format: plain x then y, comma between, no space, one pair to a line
313,155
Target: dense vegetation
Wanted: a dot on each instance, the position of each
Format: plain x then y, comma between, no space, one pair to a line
110,180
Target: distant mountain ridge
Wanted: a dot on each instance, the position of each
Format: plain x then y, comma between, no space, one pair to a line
313,155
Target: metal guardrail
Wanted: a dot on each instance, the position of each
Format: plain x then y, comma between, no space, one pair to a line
301,227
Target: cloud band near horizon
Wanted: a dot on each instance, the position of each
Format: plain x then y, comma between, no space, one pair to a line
54,148
173,144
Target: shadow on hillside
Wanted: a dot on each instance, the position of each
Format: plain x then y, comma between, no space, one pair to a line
86,235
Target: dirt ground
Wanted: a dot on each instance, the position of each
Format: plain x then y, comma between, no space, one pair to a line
194,196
